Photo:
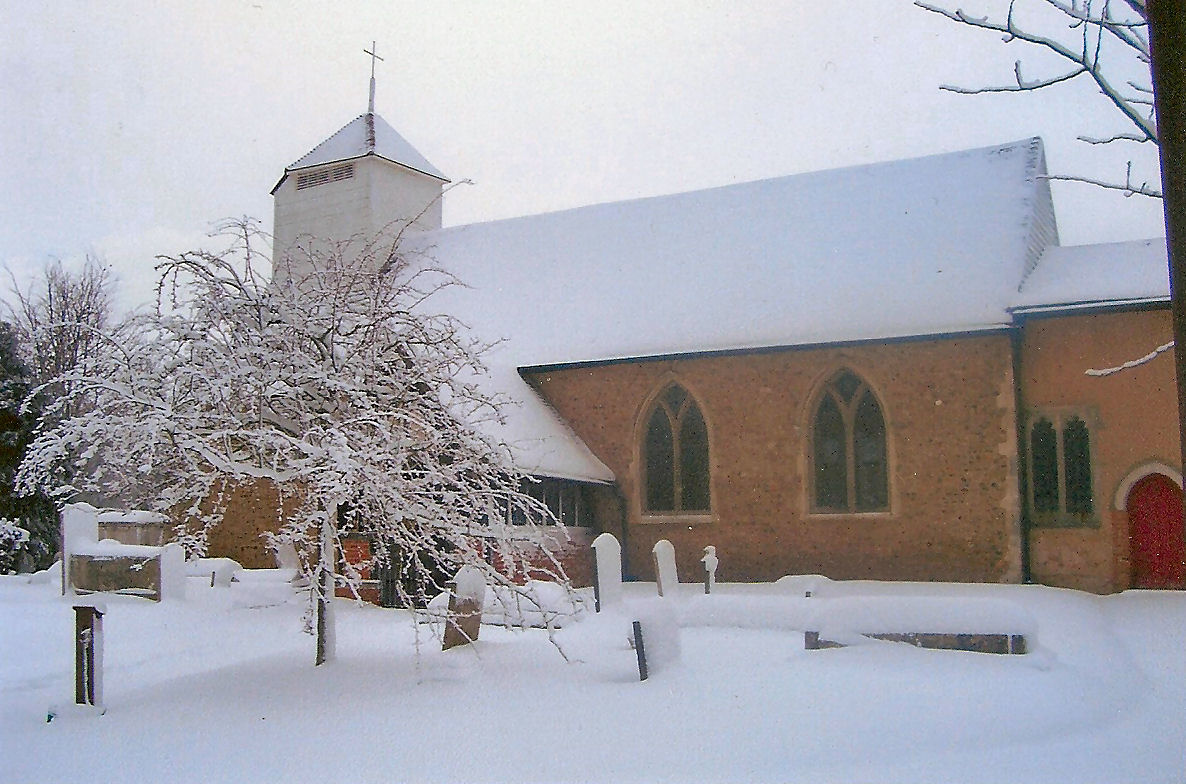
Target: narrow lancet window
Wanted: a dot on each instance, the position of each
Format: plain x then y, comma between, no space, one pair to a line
676,455
850,466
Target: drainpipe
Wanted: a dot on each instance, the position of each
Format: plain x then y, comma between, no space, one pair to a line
625,521
1015,340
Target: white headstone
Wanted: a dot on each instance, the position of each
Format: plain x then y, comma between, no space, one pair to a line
80,526
608,556
172,572
665,575
286,556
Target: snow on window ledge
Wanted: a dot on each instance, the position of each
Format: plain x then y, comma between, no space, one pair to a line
676,518
829,514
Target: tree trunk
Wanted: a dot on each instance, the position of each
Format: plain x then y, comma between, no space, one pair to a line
324,586
1167,39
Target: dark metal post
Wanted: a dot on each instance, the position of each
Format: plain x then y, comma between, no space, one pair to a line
596,585
640,651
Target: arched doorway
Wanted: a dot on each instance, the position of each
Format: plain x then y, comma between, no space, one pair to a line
1157,542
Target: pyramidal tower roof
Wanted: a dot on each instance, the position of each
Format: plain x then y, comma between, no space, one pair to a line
367,134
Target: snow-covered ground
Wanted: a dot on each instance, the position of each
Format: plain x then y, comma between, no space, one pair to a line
221,687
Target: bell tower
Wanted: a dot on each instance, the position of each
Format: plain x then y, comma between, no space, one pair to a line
362,182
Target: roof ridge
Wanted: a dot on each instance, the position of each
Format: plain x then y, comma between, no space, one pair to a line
869,166
330,138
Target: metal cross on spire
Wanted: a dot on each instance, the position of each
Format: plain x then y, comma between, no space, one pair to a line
372,52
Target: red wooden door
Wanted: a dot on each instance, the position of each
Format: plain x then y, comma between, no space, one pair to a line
1156,534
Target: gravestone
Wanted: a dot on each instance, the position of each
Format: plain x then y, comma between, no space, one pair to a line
466,599
710,568
607,571
656,637
286,556
666,577
80,526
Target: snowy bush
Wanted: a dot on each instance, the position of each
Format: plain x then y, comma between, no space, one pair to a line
13,541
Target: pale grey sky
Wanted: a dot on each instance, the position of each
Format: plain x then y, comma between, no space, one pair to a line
130,127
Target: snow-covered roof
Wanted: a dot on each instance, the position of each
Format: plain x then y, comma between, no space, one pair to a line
1079,276
925,246
367,134
918,247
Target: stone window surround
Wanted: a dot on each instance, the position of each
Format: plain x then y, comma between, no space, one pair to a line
668,516
1058,416
812,510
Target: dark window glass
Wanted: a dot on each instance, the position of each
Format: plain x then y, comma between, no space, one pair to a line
518,515
568,505
869,448
552,490
1076,451
1044,468
675,455
850,460
831,459
674,396
846,385
693,450
660,463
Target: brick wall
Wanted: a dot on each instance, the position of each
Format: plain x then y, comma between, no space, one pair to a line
1133,418
252,509
950,414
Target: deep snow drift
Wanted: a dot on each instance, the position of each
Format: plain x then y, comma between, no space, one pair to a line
221,687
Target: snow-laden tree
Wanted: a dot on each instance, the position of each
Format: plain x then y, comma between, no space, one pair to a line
339,384
14,541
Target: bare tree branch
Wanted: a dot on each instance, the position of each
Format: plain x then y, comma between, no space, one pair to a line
1128,187
1086,57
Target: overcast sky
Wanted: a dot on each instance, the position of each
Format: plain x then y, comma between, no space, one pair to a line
128,128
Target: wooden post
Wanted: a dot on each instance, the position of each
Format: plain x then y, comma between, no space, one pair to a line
640,651
467,598
88,655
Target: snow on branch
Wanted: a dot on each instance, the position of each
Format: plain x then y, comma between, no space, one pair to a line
1129,187
1085,56
1100,46
1132,363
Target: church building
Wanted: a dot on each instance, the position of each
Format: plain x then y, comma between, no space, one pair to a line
877,372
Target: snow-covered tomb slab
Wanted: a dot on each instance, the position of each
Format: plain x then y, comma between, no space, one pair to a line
94,565
978,625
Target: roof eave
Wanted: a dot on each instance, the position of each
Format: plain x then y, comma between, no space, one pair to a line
1091,305
293,169
973,330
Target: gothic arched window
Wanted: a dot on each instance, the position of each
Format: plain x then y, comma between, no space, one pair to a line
850,471
675,455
